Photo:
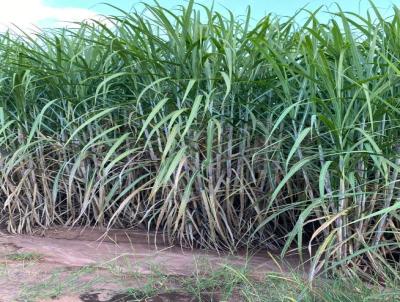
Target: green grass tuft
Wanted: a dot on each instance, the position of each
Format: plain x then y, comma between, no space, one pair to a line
24,256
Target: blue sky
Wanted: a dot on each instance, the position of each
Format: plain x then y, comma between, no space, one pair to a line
259,7
28,13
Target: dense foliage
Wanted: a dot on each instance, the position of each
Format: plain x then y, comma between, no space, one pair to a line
215,131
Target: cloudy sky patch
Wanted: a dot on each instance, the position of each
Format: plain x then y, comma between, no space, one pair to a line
28,14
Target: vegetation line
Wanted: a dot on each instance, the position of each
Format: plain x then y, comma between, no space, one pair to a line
217,133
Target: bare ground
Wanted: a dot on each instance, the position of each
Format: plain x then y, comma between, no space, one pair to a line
86,265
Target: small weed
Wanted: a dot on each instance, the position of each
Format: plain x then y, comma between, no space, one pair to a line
59,283
223,281
122,267
3,269
153,286
24,256
139,294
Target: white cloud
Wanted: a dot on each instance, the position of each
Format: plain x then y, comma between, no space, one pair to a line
28,14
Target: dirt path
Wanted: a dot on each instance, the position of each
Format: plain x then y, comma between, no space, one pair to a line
84,265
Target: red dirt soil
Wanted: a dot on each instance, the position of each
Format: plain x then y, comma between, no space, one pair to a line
129,251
